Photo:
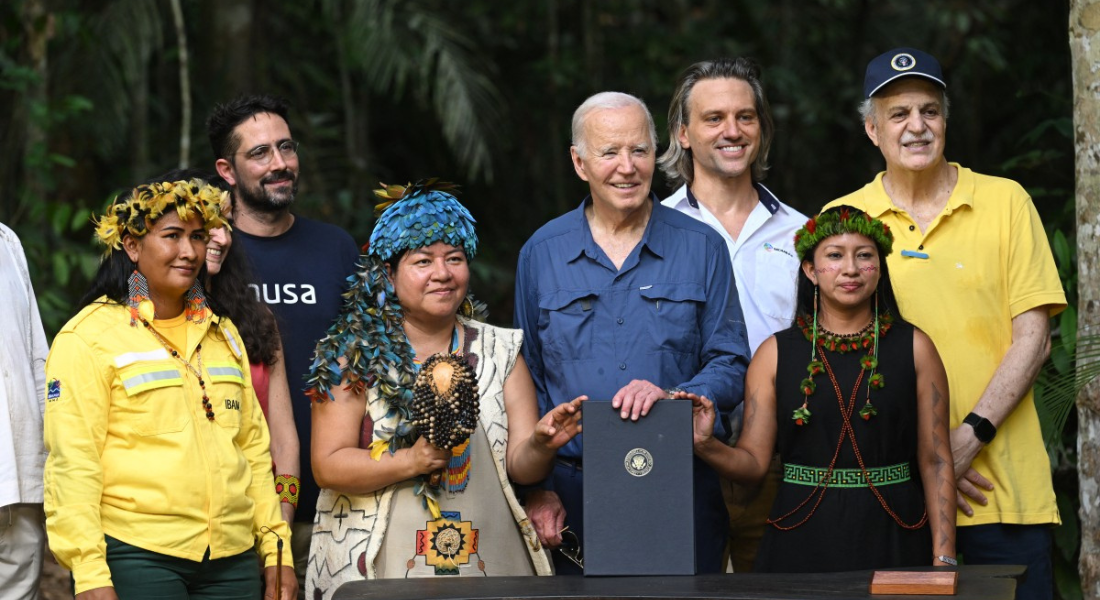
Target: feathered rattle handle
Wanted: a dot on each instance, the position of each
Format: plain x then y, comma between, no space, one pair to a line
446,403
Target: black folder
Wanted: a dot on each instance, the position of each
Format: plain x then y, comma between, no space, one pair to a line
638,491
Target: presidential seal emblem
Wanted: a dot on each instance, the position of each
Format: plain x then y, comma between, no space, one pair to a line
638,462
903,62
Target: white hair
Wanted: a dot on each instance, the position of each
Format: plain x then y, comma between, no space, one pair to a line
867,108
607,100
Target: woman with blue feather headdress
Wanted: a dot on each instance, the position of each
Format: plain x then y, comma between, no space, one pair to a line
423,416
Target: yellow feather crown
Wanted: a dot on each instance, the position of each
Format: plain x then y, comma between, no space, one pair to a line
147,203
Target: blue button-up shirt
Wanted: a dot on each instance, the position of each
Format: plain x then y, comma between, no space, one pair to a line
670,315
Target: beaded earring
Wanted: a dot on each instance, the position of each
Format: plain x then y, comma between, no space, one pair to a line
137,291
194,303
870,363
802,414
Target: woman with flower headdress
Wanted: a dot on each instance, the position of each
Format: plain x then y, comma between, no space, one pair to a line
226,283
855,401
405,343
158,480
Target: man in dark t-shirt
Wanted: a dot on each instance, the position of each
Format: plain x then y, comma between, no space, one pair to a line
301,265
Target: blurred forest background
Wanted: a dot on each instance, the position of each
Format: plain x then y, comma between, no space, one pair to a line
97,95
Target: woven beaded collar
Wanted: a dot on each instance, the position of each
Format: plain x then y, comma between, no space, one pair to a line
861,340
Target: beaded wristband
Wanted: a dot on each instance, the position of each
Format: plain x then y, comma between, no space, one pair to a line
287,488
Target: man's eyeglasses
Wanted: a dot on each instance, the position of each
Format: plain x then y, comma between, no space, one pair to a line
262,155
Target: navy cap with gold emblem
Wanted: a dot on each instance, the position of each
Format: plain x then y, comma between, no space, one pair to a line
898,63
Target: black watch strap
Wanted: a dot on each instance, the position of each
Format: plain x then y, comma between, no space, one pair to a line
983,429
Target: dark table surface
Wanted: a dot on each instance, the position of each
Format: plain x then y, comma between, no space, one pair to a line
978,582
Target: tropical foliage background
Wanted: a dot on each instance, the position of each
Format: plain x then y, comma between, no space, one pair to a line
96,95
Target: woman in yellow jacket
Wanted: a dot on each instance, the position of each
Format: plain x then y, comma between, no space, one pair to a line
158,480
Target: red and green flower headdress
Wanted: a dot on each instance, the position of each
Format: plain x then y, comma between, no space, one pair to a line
839,222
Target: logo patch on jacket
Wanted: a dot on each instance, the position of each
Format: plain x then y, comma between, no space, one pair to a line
53,389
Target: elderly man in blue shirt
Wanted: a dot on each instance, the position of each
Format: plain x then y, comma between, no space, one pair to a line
626,299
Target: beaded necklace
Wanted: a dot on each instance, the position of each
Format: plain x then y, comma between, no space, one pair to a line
866,338
206,405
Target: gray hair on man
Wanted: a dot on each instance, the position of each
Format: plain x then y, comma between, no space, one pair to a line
607,100
867,108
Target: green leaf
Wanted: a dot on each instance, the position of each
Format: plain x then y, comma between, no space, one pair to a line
1067,579
60,217
1067,536
1060,382
74,104
62,160
1062,360
1067,326
61,270
81,218
88,264
1062,251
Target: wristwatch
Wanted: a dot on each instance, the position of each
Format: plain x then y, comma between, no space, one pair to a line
983,429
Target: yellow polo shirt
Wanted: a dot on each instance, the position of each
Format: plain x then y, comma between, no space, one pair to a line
988,260
133,456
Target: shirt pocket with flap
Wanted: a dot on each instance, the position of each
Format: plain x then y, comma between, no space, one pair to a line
155,397
675,310
567,325
226,391
775,280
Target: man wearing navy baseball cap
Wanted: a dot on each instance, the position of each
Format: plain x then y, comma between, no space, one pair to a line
972,268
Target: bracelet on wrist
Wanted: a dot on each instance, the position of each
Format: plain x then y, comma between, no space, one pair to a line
950,560
287,488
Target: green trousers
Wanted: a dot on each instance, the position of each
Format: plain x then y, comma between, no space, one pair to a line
144,575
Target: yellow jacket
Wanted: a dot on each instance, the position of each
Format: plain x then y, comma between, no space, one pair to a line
133,456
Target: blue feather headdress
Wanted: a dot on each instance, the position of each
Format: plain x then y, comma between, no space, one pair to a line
419,215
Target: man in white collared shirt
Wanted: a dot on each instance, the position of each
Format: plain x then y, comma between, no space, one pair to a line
23,352
720,131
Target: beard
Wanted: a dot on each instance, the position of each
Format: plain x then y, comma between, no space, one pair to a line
260,199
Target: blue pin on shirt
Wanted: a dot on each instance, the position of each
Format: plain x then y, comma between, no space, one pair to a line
914,254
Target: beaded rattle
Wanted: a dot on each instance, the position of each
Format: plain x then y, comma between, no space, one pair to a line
446,403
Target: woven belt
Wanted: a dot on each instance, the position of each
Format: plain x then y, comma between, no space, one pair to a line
845,478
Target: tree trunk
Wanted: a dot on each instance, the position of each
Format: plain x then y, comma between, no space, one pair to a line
356,117
185,86
140,155
38,29
593,50
1084,29
231,42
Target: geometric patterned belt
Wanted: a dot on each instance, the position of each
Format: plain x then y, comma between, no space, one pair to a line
845,478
